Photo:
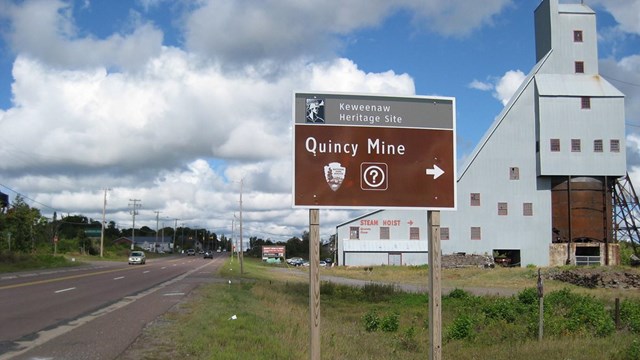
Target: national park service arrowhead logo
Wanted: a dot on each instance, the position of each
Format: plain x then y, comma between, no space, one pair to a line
334,173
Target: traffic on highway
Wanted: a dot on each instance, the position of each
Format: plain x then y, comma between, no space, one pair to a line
55,311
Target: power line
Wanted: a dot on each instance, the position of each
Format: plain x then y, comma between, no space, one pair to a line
26,197
620,81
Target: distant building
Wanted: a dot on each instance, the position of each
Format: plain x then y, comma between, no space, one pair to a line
4,200
147,243
537,188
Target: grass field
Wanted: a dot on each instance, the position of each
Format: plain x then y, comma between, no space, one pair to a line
271,310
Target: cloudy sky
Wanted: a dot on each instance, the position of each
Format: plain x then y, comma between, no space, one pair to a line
173,103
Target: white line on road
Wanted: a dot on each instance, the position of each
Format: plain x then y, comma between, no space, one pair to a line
44,336
63,290
146,271
173,294
118,278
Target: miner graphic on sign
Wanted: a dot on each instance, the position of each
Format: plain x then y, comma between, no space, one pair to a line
315,111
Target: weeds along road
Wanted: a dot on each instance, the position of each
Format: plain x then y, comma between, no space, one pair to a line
326,276
92,312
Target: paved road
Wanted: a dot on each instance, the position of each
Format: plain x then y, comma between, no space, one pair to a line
93,312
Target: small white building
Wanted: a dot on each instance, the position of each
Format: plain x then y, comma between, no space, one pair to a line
537,188
392,237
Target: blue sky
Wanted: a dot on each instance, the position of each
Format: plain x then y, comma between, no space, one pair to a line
173,102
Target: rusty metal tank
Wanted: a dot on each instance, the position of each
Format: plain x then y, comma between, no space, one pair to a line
581,209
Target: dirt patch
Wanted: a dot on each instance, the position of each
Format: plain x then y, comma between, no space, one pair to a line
600,277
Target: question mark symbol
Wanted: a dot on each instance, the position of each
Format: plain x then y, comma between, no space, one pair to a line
374,174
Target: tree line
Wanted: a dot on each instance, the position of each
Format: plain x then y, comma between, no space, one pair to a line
24,229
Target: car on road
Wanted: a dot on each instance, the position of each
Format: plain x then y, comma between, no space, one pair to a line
137,257
208,255
191,252
295,261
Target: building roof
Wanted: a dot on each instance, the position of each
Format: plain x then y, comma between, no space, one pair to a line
575,85
575,9
358,218
503,114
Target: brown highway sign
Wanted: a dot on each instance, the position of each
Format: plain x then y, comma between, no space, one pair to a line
361,151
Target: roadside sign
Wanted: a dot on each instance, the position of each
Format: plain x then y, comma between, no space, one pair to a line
93,232
365,151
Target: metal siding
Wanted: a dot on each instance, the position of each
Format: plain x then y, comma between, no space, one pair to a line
575,85
511,144
511,141
561,118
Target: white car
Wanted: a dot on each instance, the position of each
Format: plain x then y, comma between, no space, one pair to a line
137,257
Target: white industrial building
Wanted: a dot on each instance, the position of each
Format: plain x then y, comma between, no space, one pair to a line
537,188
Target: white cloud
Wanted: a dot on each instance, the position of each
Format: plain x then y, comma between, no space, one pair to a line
45,29
479,85
458,17
626,13
273,31
133,131
175,128
503,88
507,85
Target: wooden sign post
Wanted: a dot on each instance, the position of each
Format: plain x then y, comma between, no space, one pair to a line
314,283
435,288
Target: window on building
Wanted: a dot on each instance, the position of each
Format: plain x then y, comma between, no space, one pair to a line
585,102
597,145
354,233
579,66
444,233
475,233
414,233
575,145
577,35
384,233
514,173
502,209
555,145
475,199
527,209
614,145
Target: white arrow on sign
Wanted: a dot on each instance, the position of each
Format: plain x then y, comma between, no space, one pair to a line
436,172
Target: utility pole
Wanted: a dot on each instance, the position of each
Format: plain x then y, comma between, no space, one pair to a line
104,208
241,239
233,234
134,211
175,230
182,246
157,218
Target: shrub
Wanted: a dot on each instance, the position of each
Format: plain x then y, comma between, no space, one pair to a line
632,352
377,292
458,294
371,321
461,328
630,315
528,296
390,323
501,309
407,340
569,313
327,288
